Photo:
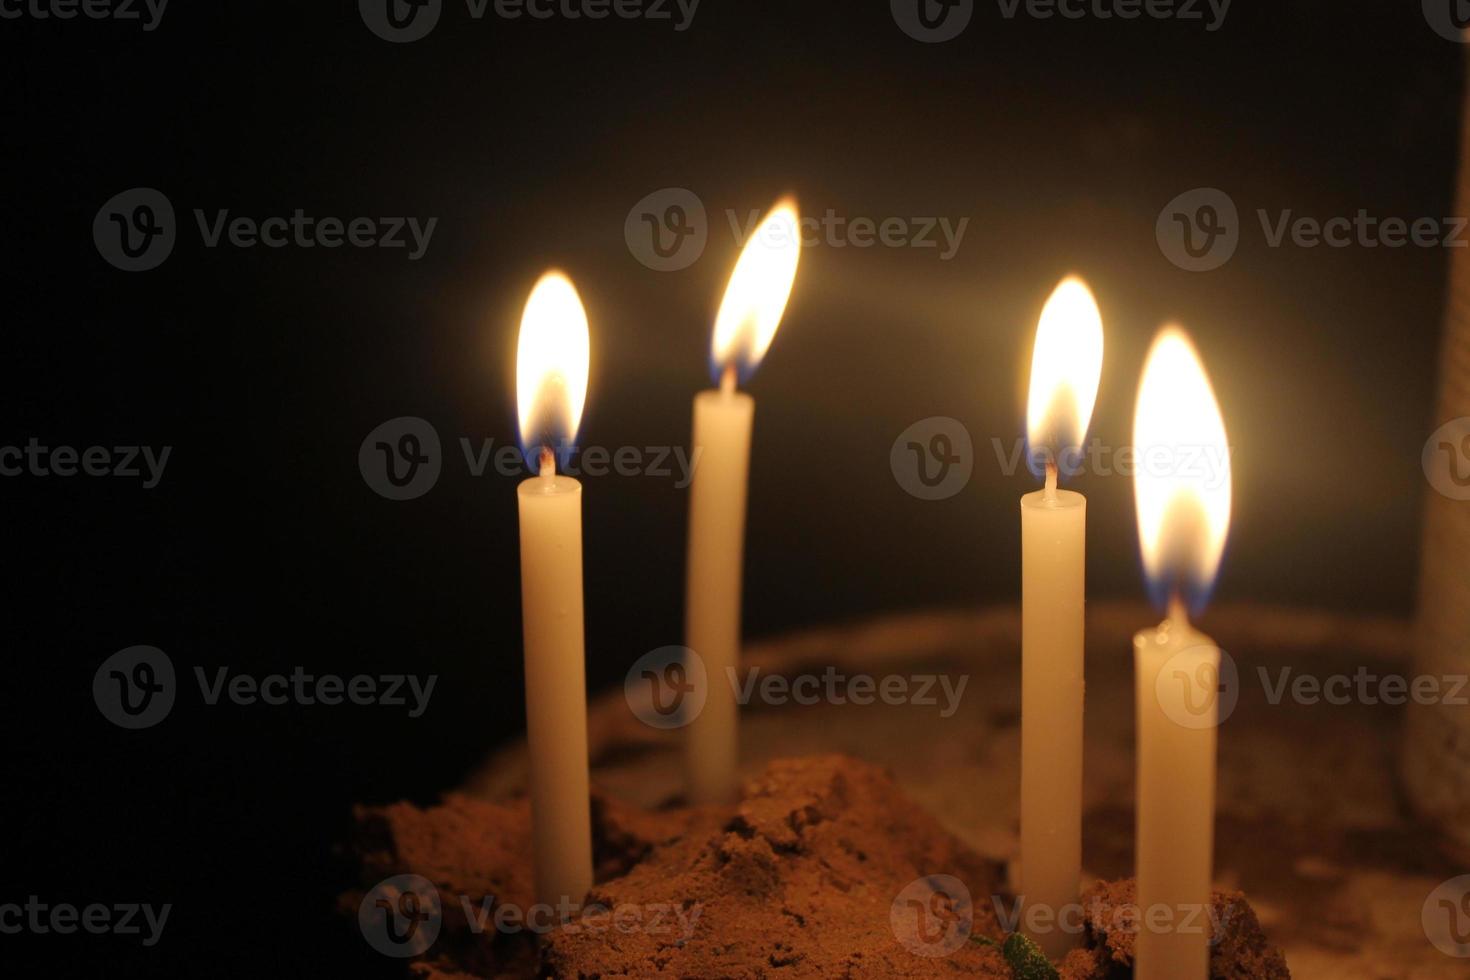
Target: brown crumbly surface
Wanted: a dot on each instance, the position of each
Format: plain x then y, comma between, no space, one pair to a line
798,880
1239,948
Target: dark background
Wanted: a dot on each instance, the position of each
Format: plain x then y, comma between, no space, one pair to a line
264,549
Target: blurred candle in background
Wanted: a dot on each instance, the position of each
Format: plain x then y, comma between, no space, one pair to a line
754,303
1436,755
551,388
1066,367
1182,490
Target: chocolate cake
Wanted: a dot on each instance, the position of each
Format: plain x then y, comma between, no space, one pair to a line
1310,824
824,869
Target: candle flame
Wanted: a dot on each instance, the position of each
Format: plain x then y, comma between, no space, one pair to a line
1182,487
552,359
1066,368
755,300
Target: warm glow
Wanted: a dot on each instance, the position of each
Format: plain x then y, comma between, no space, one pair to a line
759,288
1182,484
1065,370
552,357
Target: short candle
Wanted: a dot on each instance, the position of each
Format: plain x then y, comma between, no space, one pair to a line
1183,519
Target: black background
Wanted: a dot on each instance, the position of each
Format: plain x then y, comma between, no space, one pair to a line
264,549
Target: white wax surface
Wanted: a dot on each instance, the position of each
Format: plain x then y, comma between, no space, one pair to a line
556,687
1177,731
722,424
1053,566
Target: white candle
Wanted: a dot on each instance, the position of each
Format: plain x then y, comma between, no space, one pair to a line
1176,798
1065,371
722,424
1183,496
754,303
551,382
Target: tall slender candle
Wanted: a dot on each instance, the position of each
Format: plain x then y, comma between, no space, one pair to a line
1065,370
551,388
754,303
1182,491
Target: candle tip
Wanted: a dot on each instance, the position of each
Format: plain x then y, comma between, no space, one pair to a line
548,464
727,380
1051,480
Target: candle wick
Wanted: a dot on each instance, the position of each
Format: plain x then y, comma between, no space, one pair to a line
548,464
727,381
1051,481
1178,615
